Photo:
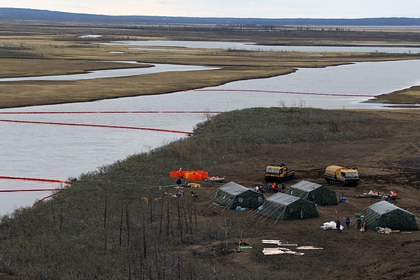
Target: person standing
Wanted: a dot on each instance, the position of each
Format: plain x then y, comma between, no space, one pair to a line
364,226
348,222
273,187
359,224
394,197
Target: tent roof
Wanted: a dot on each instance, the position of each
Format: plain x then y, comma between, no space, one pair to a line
316,193
383,207
306,186
282,198
385,214
233,188
288,207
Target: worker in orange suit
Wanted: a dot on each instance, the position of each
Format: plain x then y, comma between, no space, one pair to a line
274,187
394,197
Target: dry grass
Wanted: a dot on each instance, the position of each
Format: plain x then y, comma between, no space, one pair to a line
51,50
14,67
406,96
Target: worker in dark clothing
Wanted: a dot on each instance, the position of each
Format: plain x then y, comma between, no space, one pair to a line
283,187
338,226
348,222
359,224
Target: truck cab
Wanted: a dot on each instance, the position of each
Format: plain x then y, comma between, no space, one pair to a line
337,175
278,173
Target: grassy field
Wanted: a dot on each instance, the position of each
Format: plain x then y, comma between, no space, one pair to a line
42,49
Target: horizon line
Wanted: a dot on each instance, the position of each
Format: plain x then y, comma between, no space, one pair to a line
217,17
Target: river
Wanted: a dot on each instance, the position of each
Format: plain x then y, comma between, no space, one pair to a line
241,46
55,151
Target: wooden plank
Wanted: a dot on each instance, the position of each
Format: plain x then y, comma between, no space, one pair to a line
275,249
273,253
309,248
287,245
268,241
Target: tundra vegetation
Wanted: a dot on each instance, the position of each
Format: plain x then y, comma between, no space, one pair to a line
122,221
51,49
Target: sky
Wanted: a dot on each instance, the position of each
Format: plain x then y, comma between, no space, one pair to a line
231,8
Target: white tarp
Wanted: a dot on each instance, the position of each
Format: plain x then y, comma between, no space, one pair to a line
331,225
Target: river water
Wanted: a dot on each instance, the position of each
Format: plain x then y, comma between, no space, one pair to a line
111,73
254,47
59,151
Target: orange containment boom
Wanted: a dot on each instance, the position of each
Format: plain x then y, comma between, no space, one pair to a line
194,175
35,179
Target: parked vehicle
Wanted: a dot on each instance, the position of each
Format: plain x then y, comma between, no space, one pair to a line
337,175
278,173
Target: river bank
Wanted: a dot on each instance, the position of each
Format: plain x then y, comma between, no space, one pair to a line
22,94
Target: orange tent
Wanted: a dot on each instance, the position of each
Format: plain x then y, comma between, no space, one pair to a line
194,175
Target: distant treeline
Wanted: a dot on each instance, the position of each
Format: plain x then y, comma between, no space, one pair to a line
45,15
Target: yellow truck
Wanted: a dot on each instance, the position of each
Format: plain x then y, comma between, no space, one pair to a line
278,173
337,175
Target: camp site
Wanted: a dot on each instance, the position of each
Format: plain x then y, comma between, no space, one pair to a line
237,221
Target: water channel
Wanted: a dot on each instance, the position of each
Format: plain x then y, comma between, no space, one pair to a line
240,46
61,152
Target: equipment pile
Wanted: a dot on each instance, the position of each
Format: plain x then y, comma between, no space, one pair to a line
282,250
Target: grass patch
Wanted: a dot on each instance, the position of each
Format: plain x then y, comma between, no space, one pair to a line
15,67
405,96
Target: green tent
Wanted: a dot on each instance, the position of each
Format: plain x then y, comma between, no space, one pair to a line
385,214
282,206
232,195
318,194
